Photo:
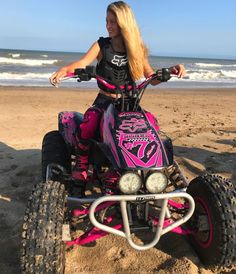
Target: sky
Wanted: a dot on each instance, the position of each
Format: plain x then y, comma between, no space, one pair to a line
186,28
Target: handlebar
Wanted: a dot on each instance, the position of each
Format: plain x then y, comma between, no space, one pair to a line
126,91
85,74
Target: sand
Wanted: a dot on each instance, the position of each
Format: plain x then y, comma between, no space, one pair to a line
202,124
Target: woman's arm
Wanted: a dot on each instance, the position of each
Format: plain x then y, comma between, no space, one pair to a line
86,60
178,70
148,71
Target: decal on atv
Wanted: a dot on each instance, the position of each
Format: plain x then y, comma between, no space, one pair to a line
139,143
148,198
141,149
130,114
133,125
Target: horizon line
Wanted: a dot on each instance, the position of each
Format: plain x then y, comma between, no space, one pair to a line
152,54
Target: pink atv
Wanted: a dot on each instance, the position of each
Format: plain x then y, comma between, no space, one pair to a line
141,189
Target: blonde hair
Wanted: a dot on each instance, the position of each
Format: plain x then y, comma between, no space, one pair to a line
135,48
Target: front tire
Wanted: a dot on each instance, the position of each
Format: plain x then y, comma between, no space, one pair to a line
214,221
43,250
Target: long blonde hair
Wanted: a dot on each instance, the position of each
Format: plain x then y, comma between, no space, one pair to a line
135,48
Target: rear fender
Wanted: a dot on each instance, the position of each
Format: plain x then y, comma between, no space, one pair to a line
68,124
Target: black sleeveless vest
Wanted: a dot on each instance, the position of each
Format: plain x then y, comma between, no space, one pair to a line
113,66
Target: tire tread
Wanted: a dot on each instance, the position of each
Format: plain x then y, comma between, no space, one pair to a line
42,247
223,192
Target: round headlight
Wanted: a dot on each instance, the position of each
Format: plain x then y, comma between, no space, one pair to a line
156,182
130,183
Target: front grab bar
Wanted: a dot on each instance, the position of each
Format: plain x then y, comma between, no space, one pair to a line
123,199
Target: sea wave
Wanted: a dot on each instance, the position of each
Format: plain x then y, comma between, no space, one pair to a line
205,65
203,77
206,75
25,76
39,79
14,55
26,62
29,76
200,76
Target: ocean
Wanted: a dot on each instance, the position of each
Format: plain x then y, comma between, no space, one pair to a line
33,68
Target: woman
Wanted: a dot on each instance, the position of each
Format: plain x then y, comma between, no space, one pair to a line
122,57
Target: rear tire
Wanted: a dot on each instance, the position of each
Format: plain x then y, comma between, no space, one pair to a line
214,221
54,151
42,248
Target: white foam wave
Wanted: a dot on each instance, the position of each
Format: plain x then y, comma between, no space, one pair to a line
44,55
26,62
25,76
205,65
200,76
29,76
14,55
204,75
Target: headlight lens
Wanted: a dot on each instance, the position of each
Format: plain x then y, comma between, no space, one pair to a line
130,183
156,182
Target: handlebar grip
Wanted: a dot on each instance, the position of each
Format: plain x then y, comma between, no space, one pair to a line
163,75
85,74
91,70
79,71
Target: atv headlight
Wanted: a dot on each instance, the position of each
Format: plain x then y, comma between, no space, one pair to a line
130,183
156,182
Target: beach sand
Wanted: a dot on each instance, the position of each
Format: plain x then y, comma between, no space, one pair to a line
201,123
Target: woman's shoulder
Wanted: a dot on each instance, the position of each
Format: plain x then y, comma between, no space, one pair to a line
102,41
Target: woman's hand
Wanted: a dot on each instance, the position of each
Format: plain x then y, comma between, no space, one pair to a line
57,76
178,70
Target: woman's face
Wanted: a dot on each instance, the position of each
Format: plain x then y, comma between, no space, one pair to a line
111,25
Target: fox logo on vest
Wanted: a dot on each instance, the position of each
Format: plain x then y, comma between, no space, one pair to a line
119,60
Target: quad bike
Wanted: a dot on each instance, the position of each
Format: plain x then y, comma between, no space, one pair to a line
142,190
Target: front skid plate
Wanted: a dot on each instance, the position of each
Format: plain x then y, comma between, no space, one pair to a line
161,230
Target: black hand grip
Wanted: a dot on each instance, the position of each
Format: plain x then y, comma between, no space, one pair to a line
163,75
85,74
79,71
91,70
